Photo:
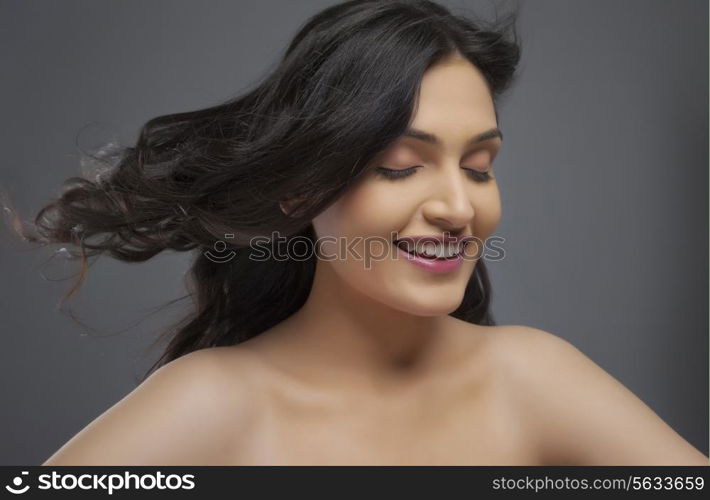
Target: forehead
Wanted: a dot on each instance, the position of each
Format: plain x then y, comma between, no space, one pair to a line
454,98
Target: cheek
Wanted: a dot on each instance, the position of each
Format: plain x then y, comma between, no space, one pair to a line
367,211
337,230
361,222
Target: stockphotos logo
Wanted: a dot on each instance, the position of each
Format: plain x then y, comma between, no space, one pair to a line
106,482
16,486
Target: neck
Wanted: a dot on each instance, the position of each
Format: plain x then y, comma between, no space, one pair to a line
345,339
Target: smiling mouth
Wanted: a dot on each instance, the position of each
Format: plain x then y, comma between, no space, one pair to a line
430,250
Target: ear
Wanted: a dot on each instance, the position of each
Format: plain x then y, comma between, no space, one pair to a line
287,207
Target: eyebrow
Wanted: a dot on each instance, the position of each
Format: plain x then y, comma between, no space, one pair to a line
432,139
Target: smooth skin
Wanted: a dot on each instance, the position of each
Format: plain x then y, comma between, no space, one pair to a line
373,369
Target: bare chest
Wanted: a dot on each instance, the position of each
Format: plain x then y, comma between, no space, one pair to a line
446,427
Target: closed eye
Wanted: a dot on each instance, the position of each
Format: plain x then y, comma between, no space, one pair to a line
393,174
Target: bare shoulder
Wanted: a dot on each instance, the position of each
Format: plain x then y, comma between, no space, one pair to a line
185,413
580,413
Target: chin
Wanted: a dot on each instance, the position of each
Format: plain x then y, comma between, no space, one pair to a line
430,309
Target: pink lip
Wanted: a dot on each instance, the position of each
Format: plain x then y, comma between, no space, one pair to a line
433,265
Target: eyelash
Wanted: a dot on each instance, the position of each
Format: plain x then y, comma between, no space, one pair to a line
393,174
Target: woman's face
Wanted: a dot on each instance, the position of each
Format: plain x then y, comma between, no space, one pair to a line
446,193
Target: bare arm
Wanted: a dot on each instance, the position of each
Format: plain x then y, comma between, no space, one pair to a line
183,414
584,416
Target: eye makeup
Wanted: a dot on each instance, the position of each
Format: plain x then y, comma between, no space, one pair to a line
393,174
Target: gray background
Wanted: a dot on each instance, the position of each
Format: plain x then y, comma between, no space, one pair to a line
603,178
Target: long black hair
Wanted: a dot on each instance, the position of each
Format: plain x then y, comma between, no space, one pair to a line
343,91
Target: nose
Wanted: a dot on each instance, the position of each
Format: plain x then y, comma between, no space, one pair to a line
450,204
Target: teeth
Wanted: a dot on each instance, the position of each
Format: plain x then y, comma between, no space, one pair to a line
433,250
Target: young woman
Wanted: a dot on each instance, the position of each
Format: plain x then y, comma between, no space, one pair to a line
379,125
